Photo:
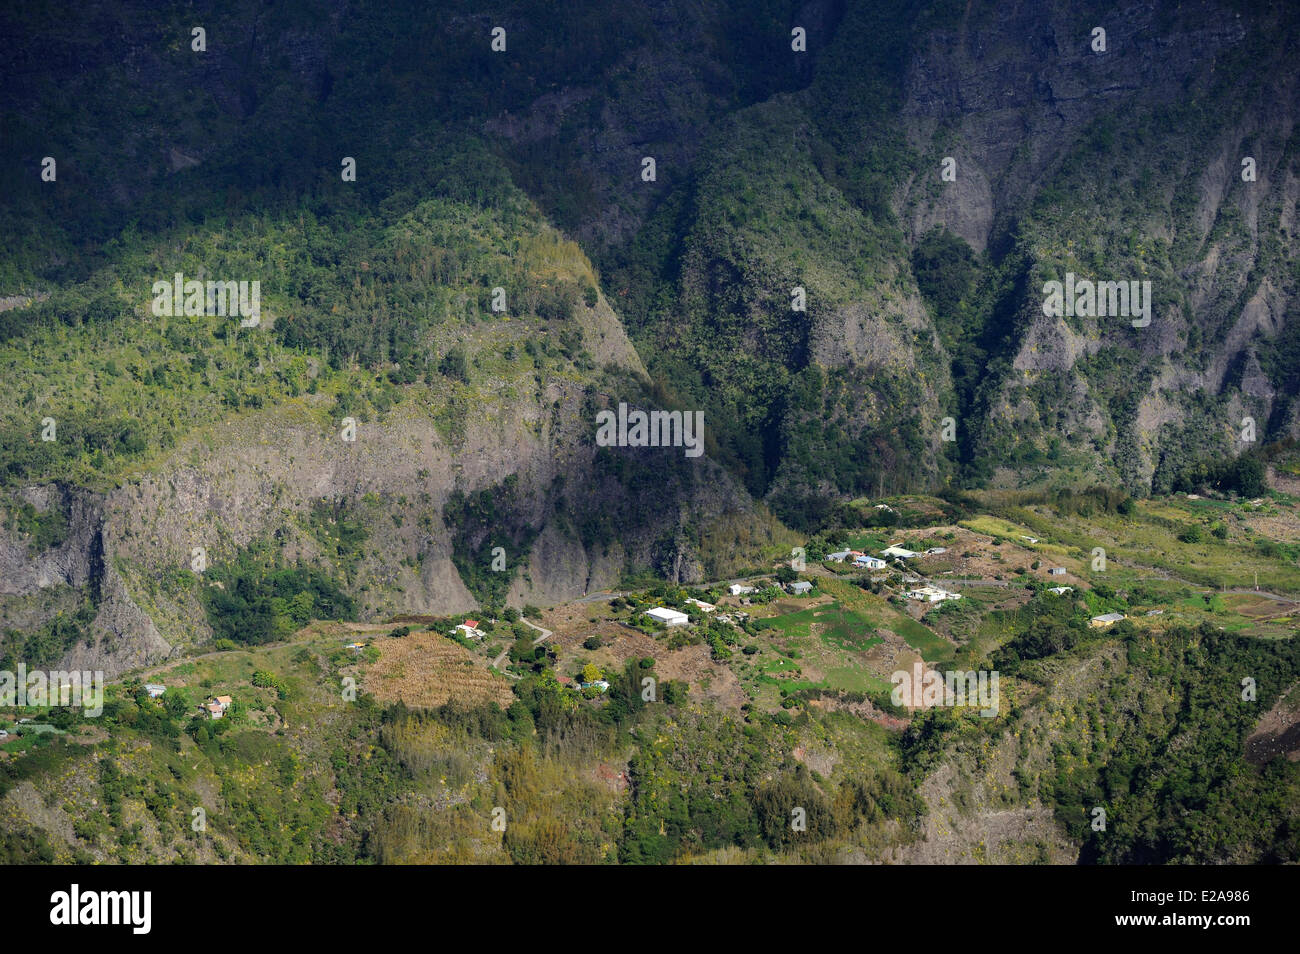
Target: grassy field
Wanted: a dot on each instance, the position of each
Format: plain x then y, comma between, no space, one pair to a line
880,614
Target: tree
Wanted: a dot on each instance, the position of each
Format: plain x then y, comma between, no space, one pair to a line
301,606
590,672
176,704
1248,477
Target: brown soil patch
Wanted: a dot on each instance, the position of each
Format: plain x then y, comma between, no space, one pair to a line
1260,608
862,709
714,681
1284,525
1278,732
980,563
427,669
694,665
1284,482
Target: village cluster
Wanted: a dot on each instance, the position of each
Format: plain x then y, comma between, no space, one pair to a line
918,589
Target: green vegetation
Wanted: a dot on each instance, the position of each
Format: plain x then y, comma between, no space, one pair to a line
481,524
784,274
253,600
1171,774
46,645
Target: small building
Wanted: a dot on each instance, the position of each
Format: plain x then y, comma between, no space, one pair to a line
1057,571
1060,590
1030,539
869,562
1156,612
1106,619
896,551
740,589
935,551
800,587
600,684
931,594
839,556
215,707
154,690
469,629
669,617
886,508
701,605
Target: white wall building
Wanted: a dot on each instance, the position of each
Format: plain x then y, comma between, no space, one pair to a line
669,617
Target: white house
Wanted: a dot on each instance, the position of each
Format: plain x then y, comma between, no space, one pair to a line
1057,571
701,605
839,556
216,707
897,551
869,562
740,589
154,690
931,594
935,551
669,617
800,587
1060,590
469,629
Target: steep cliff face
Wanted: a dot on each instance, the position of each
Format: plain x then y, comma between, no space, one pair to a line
853,315
76,578
1120,165
1008,89
1117,158
129,553
582,515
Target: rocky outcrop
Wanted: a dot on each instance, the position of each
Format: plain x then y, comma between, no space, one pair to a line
81,568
